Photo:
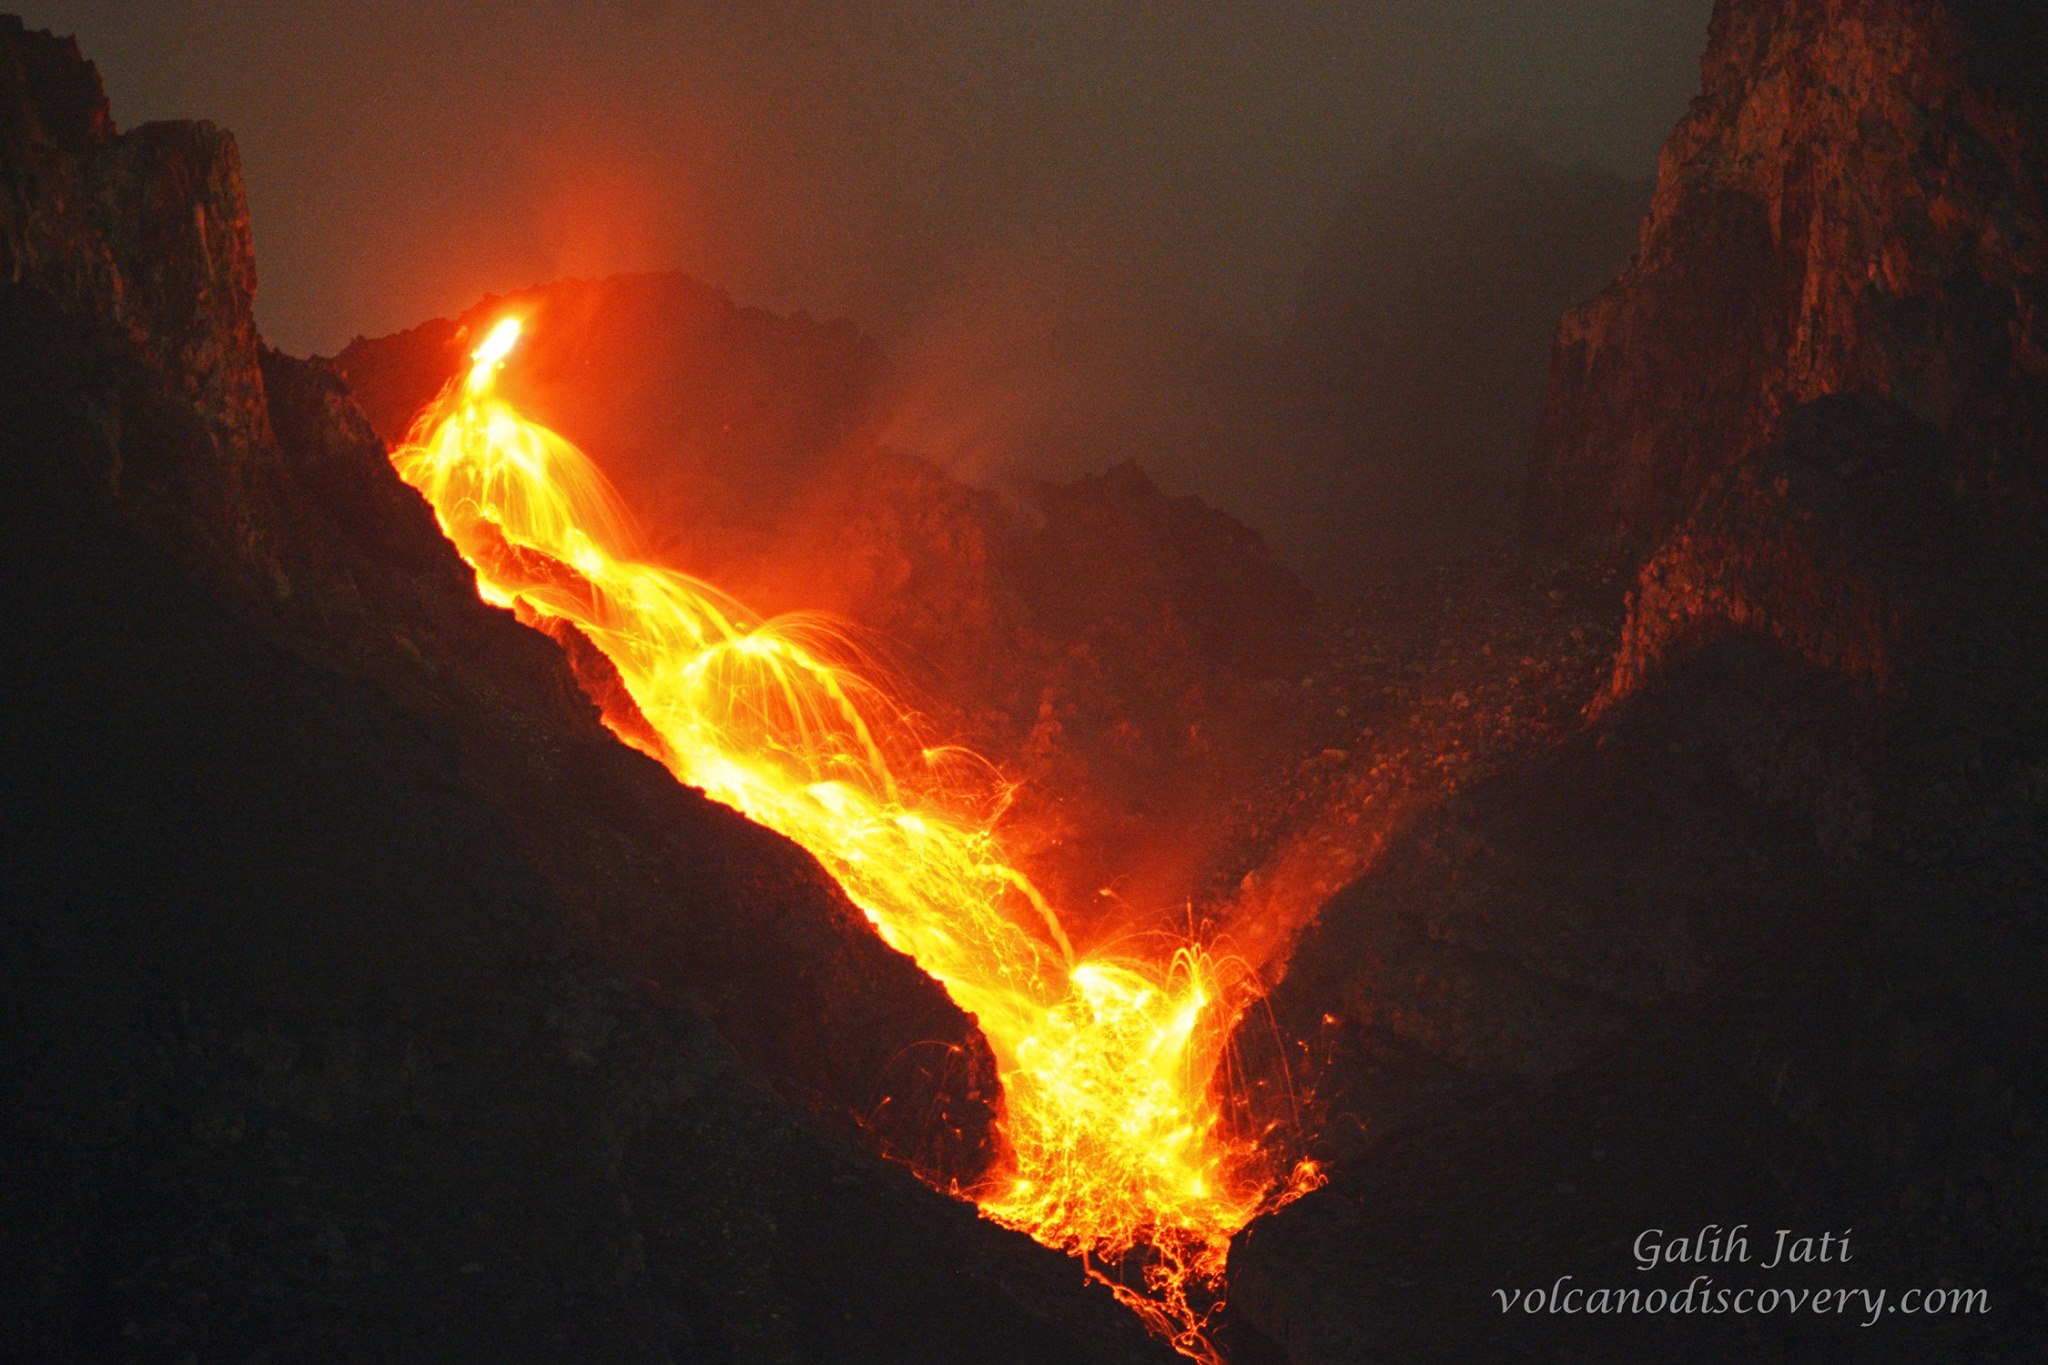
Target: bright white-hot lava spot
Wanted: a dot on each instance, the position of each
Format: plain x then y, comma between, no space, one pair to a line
1113,1138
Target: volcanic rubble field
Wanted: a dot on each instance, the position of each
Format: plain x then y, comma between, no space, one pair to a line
367,999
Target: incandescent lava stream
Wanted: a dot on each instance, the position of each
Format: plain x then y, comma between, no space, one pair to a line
1113,1134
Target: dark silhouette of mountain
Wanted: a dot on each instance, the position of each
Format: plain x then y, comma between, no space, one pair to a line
1756,937
364,998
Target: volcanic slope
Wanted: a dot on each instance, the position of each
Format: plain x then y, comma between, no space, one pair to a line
362,994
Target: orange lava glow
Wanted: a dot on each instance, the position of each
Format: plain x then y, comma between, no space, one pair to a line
1112,1129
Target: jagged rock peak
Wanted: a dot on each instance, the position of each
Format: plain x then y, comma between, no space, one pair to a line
147,230
1853,204
61,86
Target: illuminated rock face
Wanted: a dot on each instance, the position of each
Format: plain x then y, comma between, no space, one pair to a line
1852,205
1811,415
1817,402
146,235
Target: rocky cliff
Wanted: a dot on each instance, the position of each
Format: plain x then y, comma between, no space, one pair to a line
1817,402
1853,205
364,997
257,473
1758,927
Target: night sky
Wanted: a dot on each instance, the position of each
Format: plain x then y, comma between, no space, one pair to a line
403,159
1061,219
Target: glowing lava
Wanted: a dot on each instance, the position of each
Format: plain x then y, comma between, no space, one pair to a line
1112,1130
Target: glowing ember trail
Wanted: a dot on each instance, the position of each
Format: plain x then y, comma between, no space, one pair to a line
1113,1135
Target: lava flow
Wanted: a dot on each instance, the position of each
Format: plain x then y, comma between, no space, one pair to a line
1113,1135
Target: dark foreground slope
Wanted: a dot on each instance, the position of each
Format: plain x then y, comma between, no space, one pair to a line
1631,983
362,998
1758,940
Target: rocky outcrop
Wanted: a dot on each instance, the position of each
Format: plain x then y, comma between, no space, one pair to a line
1853,205
147,230
1838,539
1761,930
1817,403
365,993
146,234
258,473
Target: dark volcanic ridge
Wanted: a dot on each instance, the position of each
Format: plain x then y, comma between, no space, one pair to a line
1683,867
364,996
1756,936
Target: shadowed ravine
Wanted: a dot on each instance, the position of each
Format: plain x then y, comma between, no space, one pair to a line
440,924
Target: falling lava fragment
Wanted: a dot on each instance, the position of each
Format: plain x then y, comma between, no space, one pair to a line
1113,1140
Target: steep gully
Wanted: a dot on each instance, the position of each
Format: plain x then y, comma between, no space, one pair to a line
1114,1131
